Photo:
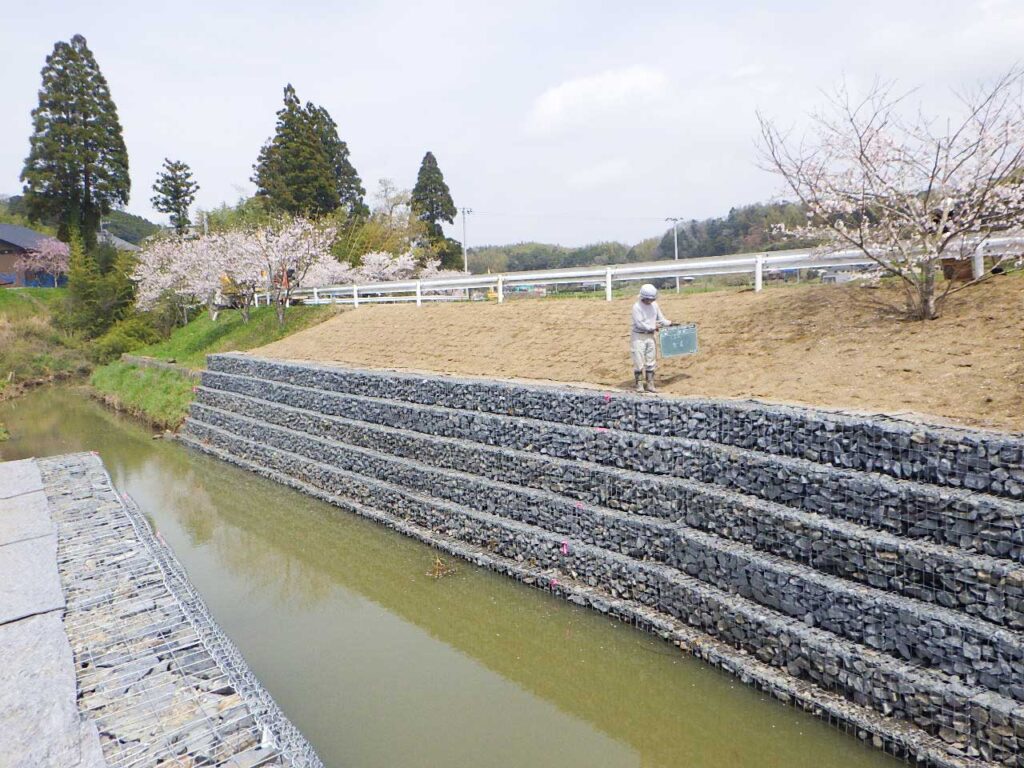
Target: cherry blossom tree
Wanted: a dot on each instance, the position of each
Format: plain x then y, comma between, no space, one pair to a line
327,272
285,251
242,276
189,268
157,272
233,267
51,258
907,190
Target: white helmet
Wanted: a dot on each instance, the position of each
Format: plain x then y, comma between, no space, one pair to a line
648,291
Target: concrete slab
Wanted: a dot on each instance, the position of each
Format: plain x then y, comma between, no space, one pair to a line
39,719
18,477
25,517
29,581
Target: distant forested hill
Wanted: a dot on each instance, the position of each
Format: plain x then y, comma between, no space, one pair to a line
745,229
127,226
527,256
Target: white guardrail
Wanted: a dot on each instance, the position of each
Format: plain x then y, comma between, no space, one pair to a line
758,264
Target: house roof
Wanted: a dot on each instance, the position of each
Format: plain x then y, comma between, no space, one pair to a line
117,242
22,237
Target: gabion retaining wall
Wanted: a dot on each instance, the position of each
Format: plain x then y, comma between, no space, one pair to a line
902,596
978,461
938,637
970,521
976,584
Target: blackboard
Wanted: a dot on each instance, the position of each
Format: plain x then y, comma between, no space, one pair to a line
678,340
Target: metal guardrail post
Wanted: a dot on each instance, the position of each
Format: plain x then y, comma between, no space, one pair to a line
608,284
978,263
316,298
501,289
419,294
758,273
355,295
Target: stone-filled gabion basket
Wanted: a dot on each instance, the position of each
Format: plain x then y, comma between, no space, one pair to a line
870,570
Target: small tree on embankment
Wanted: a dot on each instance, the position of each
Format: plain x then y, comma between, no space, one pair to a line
904,189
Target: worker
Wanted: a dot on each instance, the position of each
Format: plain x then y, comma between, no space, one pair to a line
647,319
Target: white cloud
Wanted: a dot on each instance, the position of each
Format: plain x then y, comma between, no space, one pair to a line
575,102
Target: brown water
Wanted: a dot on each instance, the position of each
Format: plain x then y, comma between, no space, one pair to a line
379,665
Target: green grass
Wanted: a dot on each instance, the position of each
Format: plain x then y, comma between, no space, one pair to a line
190,345
20,303
160,396
32,350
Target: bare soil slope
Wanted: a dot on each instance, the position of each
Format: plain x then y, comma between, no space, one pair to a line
816,345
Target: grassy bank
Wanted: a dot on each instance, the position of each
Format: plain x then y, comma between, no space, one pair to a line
32,350
190,345
161,397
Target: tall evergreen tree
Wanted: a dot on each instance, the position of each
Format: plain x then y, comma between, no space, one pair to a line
431,200
175,192
293,169
349,185
77,167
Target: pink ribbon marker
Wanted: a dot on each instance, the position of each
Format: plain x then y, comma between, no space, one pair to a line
553,583
601,429
565,547
607,397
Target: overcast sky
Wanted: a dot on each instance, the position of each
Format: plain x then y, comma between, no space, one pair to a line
567,122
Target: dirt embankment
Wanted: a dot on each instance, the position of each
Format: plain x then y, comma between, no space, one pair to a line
818,345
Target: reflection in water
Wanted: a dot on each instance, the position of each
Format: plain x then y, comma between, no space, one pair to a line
380,665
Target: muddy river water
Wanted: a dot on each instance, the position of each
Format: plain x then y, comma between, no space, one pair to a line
380,665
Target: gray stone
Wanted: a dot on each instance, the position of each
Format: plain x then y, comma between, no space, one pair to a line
18,477
29,582
39,720
24,516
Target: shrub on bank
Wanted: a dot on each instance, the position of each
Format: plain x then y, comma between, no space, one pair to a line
32,350
131,333
159,396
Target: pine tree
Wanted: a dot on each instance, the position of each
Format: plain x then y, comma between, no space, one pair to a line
175,192
431,200
349,185
294,170
77,167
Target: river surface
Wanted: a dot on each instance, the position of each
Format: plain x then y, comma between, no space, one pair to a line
381,666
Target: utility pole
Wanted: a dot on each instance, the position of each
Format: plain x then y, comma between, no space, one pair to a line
675,241
465,243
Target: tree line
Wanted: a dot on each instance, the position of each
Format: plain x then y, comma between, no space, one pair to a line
76,176
76,172
746,229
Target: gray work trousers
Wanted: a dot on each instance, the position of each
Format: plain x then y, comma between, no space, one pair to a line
644,351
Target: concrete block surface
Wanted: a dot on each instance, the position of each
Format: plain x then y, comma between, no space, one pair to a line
18,477
25,517
39,719
29,582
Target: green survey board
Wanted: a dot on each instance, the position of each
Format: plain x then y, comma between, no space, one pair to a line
678,340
